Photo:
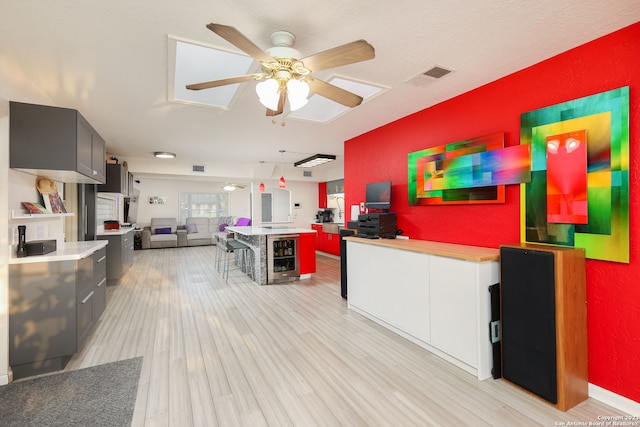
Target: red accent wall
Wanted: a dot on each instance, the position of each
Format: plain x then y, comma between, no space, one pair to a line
613,289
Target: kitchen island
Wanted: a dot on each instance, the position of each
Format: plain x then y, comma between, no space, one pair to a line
261,241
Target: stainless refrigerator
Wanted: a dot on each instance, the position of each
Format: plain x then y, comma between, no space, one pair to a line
86,211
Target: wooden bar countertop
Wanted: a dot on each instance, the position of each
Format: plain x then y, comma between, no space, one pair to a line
451,250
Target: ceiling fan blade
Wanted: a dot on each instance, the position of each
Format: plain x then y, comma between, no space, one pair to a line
335,93
283,95
238,39
222,82
349,53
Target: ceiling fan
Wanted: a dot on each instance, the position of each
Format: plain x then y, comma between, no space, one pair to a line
231,186
285,75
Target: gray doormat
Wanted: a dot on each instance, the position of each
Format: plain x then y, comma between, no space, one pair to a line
102,395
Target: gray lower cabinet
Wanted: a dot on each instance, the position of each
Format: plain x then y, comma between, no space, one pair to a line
53,307
119,254
100,282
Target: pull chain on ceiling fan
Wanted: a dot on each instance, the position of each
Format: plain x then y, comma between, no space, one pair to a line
285,76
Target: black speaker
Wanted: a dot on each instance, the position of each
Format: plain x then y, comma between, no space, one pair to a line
527,294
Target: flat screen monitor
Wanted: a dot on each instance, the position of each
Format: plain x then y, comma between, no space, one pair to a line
378,195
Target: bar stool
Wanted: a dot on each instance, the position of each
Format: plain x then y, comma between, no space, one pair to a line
236,248
249,263
220,249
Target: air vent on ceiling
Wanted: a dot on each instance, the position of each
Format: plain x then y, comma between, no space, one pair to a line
436,72
306,173
429,76
197,168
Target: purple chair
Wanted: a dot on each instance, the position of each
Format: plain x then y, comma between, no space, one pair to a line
243,222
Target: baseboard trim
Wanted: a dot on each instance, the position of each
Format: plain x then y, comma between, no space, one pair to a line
614,400
7,378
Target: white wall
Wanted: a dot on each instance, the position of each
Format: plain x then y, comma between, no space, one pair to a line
4,241
243,202
170,189
13,87
305,194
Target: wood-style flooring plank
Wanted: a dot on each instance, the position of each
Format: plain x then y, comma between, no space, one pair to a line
291,354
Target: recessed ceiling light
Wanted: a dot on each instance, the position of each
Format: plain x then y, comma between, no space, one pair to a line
164,155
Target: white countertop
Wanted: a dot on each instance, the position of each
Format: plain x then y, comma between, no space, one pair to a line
68,251
268,230
118,232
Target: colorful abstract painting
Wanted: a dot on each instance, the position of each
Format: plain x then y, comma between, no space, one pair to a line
579,190
466,172
567,178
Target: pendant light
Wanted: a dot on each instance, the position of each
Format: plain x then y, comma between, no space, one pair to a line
281,183
261,186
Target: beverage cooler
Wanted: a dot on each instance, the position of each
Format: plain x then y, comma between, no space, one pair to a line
283,258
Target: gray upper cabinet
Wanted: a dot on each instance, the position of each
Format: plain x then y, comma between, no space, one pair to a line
117,180
55,142
335,187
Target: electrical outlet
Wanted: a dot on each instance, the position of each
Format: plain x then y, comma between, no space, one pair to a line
361,207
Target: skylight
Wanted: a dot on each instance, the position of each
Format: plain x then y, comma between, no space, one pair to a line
194,63
323,110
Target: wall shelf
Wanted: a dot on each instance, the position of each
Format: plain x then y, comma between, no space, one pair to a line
22,215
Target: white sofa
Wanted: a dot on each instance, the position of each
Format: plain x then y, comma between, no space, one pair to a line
154,237
199,231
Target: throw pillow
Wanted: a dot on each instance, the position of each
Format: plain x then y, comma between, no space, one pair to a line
243,222
163,230
222,227
191,228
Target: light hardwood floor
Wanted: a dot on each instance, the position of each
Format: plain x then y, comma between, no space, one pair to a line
240,354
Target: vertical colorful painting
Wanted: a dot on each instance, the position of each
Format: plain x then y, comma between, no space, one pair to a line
466,172
567,178
579,190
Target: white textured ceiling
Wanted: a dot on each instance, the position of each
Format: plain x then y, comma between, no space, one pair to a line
109,60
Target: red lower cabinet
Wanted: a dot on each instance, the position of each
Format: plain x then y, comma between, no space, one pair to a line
326,242
307,253
332,244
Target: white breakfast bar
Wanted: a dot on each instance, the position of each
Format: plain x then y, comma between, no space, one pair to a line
434,294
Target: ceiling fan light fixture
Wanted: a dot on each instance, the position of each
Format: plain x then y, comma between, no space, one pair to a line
283,64
315,160
164,155
229,187
268,93
297,93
